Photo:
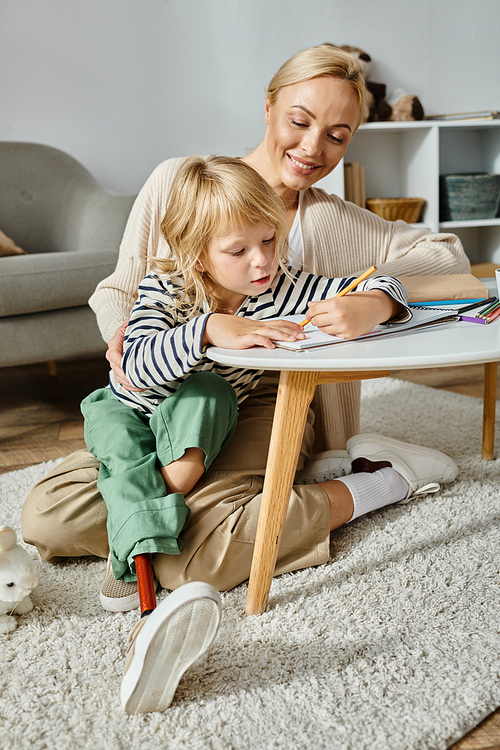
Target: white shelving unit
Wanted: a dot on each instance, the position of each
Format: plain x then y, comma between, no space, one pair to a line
405,159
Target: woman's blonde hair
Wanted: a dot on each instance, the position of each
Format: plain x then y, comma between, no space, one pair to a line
323,60
211,196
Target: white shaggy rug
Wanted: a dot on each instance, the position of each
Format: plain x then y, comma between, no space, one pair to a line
393,645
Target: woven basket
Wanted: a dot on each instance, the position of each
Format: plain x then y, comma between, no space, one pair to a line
407,209
465,197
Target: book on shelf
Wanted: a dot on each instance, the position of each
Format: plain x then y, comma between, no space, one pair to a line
485,114
354,183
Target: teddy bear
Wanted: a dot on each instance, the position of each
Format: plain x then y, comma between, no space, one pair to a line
400,107
18,577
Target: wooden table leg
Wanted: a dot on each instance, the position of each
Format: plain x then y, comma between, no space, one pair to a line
295,393
489,406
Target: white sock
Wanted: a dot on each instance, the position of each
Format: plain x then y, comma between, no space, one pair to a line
372,491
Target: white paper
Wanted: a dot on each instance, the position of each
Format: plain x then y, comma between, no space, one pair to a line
421,317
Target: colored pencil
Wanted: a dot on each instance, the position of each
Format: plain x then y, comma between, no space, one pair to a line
494,303
490,312
468,319
493,316
478,303
349,287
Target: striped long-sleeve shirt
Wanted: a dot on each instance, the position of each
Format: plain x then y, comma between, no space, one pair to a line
163,341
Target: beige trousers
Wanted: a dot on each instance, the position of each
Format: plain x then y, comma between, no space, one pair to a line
65,516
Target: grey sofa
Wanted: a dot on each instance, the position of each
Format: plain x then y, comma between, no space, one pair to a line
70,228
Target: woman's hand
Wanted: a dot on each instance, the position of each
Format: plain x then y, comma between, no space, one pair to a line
234,332
354,314
114,357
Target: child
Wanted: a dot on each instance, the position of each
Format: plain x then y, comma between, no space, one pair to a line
227,273
227,234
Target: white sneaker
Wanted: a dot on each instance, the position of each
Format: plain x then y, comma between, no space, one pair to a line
423,468
166,643
324,466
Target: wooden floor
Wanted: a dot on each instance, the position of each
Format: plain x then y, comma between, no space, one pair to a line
40,416
40,420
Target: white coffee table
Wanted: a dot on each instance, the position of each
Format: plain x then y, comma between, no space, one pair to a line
446,345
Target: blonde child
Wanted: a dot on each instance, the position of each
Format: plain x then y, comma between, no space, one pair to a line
226,276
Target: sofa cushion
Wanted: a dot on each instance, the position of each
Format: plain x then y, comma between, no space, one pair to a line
8,246
51,281
49,335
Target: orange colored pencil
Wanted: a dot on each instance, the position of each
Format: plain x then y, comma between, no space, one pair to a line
350,286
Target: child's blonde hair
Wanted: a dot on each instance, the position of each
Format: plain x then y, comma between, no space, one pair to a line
211,196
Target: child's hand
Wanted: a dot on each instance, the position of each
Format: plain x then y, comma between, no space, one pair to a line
352,315
234,332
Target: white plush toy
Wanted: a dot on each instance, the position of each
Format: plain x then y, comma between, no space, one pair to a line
17,579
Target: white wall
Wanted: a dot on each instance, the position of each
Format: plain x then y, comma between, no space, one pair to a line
123,84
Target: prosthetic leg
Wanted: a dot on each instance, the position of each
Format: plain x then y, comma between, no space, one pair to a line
145,584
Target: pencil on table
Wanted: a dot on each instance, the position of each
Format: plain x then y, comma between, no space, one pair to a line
490,307
493,315
349,287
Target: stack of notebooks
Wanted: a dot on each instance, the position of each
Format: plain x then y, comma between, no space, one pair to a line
354,183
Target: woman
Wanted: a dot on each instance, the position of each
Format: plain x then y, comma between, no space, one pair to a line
314,106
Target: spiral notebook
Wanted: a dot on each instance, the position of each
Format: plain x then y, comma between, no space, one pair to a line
422,317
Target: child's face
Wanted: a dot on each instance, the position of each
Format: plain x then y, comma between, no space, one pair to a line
241,263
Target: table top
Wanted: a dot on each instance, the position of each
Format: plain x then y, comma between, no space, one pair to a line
456,343
445,345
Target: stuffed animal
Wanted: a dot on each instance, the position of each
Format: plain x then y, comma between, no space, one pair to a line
399,108
18,577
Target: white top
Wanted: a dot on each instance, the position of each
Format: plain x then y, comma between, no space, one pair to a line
296,258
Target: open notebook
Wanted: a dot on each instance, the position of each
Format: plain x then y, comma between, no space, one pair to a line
422,317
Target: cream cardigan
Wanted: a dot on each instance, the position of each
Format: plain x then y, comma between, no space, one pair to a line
339,239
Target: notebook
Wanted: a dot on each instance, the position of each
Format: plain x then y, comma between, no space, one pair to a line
422,317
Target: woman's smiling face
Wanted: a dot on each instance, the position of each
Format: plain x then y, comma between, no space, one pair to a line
309,128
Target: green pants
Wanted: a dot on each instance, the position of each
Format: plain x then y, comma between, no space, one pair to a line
131,447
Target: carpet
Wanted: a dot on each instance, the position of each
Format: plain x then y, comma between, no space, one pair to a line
393,645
